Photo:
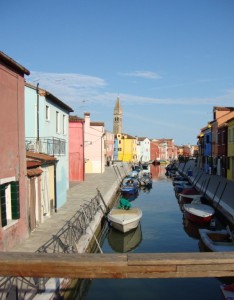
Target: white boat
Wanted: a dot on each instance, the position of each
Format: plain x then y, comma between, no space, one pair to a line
228,291
217,240
198,212
125,220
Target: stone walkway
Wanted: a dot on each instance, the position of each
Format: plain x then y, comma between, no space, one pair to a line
78,194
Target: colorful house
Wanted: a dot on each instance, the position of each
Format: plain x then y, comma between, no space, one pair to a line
13,195
127,147
41,183
143,149
46,123
154,150
94,153
76,149
109,140
230,150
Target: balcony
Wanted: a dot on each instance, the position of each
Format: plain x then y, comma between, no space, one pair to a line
48,145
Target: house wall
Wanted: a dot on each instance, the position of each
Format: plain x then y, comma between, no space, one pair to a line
154,151
230,150
12,149
145,150
93,147
109,146
47,129
76,151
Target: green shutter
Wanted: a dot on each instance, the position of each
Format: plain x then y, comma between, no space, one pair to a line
3,205
15,205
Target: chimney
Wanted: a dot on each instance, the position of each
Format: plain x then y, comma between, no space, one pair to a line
87,119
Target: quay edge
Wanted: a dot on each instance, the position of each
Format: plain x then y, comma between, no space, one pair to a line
217,190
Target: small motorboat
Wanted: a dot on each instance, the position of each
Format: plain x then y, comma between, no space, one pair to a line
187,195
145,180
129,186
125,220
217,240
228,291
198,212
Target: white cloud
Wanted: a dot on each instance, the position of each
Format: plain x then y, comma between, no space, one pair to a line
75,89
142,74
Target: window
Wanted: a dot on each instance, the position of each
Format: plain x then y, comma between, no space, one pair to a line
9,200
47,112
57,122
64,124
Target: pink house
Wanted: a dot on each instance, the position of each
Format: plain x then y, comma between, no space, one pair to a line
76,149
94,153
13,172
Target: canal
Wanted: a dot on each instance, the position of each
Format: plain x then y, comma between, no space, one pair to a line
163,229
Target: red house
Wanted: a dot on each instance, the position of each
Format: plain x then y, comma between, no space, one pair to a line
13,195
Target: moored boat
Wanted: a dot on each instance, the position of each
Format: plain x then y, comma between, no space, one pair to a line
125,220
217,240
198,212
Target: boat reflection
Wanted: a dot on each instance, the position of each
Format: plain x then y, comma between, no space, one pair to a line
120,242
191,228
130,197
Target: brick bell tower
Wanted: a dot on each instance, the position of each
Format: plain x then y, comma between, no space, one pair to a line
117,124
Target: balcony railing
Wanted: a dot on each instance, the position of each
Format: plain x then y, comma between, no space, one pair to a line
48,145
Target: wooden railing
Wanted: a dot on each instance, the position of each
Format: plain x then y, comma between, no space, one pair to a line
131,265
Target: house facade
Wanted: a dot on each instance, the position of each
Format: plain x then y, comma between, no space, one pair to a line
76,149
13,195
46,123
127,147
230,150
94,153
143,149
41,185
109,141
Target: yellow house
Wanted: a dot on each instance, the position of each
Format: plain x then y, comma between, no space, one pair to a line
230,150
127,147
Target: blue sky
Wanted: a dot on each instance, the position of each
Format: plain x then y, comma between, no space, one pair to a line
169,61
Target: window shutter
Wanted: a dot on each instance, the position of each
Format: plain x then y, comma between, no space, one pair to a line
3,205
15,205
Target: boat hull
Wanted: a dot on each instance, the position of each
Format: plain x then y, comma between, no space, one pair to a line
125,220
198,213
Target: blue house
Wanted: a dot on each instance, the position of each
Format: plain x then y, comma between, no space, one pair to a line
46,131
207,149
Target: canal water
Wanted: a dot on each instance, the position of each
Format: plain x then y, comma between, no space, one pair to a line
163,229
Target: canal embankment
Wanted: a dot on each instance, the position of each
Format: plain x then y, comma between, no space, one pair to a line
215,189
73,227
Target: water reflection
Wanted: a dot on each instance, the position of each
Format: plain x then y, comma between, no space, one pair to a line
120,242
191,229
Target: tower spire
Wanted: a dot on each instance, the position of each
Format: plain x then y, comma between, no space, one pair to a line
118,112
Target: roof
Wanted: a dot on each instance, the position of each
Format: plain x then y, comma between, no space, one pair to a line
75,119
34,172
40,156
141,138
47,94
223,108
13,64
118,108
97,124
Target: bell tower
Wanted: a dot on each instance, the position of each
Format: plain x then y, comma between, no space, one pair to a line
117,124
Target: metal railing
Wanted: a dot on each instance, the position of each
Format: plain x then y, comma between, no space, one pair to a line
48,145
64,241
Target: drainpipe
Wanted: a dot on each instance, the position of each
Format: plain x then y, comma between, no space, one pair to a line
55,186
38,112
